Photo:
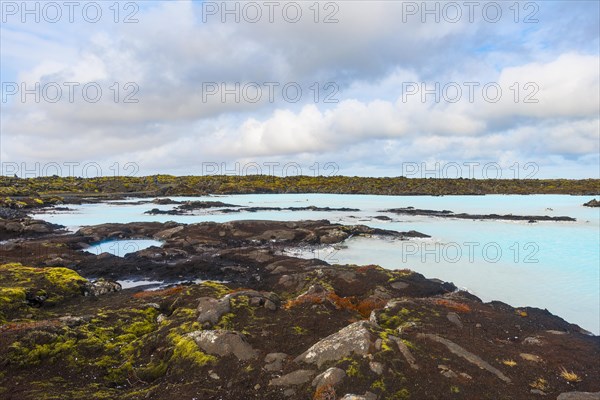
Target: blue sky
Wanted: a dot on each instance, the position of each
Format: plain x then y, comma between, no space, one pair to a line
384,87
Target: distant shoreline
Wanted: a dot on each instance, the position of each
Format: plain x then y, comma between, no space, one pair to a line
46,188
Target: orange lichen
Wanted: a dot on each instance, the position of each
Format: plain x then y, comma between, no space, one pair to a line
453,305
367,268
26,326
351,303
325,392
159,293
366,306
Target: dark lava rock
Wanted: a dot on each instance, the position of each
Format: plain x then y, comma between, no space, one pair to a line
450,214
100,287
199,205
592,203
10,213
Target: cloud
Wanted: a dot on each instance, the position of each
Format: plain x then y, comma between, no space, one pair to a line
371,57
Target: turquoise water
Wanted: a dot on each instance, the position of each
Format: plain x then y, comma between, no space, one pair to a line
552,265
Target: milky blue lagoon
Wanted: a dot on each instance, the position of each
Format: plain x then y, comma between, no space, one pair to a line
552,265
120,248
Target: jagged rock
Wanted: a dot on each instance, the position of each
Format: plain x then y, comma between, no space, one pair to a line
270,305
13,227
353,339
334,236
293,378
71,321
579,396
268,300
381,293
530,357
410,359
447,372
100,287
455,319
366,396
211,310
287,280
10,213
472,358
223,343
167,233
399,285
537,391
274,361
592,203
37,228
532,340
277,235
376,367
331,377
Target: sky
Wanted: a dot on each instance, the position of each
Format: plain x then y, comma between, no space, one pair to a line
367,88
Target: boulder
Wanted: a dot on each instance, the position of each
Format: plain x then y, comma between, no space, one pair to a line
274,361
334,236
353,339
330,377
167,233
223,343
211,310
100,287
579,396
37,228
592,203
298,377
366,396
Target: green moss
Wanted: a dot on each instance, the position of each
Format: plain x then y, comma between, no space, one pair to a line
410,344
402,394
183,312
353,369
11,295
152,371
17,280
139,328
226,322
298,330
120,373
65,279
30,354
186,349
454,389
219,289
378,385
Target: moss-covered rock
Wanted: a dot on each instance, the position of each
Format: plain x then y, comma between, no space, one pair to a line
21,286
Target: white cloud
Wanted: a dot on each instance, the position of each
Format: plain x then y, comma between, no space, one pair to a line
370,54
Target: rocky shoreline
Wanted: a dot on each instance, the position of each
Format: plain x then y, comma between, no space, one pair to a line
451,214
260,324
